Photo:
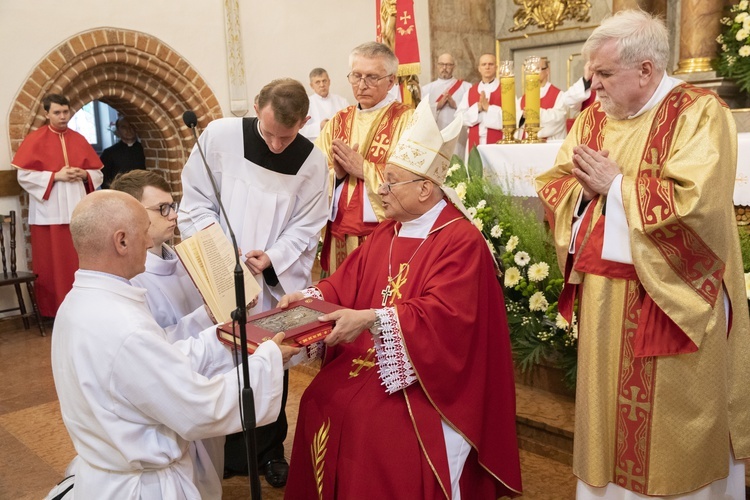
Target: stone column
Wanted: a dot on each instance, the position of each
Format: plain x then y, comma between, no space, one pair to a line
699,27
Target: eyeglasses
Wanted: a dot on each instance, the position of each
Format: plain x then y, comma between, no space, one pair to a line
165,208
370,80
389,185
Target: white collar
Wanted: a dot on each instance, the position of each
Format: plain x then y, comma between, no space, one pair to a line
162,266
422,225
385,102
87,278
666,85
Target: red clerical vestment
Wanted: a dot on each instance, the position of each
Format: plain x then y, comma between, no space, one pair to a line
353,439
44,152
495,98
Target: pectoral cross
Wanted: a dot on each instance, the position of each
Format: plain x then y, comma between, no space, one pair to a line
386,293
363,363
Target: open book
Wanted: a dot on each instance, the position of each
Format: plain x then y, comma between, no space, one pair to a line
208,257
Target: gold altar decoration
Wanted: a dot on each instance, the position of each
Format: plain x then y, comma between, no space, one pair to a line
507,100
532,66
549,14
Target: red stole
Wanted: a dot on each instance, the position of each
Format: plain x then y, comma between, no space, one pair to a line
451,90
492,135
49,150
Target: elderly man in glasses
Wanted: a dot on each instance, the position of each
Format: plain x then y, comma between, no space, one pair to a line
358,141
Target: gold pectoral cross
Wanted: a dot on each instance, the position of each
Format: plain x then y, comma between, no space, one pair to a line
360,363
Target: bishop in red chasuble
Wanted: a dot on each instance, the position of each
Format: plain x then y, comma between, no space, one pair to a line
415,398
640,200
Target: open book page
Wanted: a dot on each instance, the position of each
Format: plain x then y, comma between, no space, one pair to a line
209,259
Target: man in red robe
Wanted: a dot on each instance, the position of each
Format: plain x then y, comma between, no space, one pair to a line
57,167
480,106
415,398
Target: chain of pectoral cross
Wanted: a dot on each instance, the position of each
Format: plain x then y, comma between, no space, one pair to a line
398,280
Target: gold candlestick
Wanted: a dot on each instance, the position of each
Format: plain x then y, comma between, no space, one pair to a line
508,101
532,106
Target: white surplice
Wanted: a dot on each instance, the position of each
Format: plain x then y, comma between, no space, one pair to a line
132,401
432,92
492,118
551,120
278,213
321,108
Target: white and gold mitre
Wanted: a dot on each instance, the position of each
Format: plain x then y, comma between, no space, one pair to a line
423,148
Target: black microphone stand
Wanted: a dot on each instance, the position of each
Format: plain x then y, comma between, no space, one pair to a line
247,404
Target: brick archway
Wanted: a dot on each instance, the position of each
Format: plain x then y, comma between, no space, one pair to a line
135,73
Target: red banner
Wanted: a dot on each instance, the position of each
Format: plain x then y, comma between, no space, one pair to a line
396,27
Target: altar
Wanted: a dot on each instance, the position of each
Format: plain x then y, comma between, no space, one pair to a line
515,166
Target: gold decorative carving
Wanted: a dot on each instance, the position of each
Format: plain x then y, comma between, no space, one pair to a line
388,14
235,60
549,14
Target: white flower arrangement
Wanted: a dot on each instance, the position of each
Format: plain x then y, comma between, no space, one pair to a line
734,41
512,243
521,259
538,272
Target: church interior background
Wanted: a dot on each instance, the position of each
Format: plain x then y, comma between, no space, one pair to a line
151,61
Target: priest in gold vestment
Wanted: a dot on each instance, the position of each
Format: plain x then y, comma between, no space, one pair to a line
640,202
358,141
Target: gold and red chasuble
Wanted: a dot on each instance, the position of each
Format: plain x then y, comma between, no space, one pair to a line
376,134
661,383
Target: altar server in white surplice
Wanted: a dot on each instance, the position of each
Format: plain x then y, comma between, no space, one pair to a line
173,300
444,95
323,104
274,186
131,400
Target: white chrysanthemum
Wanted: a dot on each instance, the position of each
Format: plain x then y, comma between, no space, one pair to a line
740,17
561,322
522,258
538,302
461,190
744,51
481,204
742,34
479,224
472,212
747,285
512,243
746,23
743,5
512,276
538,271
719,39
574,331
496,231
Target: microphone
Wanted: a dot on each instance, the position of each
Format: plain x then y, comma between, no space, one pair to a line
190,119
247,408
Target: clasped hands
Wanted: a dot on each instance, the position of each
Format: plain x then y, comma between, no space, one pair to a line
348,323
594,170
484,103
70,174
446,99
347,160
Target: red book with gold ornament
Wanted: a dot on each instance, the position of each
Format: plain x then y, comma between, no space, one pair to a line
299,322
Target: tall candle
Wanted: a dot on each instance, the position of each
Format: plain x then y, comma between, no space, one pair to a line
531,110
508,100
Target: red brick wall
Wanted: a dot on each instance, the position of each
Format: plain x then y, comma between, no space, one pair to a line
135,73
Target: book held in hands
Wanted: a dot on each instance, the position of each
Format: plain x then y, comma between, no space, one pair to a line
299,322
208,257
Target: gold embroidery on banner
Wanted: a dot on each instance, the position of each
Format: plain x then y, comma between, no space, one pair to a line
365,363
549,14
318,450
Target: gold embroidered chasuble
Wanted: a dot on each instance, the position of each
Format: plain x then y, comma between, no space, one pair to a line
660,425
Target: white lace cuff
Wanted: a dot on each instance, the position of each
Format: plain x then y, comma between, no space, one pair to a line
396,371
312,293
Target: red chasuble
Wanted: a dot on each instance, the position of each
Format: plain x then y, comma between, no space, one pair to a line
53,257
492,135
353,440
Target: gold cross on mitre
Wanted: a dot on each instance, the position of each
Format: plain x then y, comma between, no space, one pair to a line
360,363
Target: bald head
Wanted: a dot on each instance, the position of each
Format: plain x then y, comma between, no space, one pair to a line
110,233
445,65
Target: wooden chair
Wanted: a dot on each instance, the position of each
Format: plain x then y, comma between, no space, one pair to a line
17,278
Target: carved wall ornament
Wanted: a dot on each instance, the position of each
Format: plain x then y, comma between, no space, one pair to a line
549,14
